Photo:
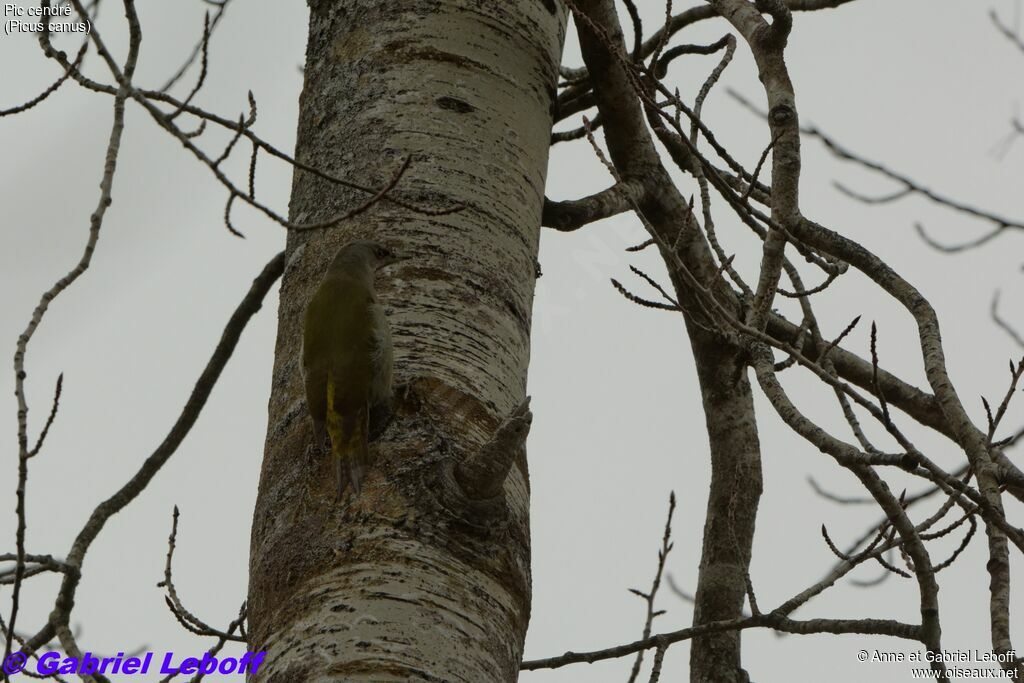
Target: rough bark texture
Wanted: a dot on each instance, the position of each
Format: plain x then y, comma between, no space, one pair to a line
732,506
412,581
721,363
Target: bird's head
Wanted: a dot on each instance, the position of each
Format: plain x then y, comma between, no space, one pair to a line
373,255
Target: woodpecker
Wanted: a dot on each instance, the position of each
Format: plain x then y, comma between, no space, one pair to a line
347,358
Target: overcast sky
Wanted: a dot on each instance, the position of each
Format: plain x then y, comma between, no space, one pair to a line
927,87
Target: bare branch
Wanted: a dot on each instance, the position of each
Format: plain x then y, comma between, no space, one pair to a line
650,596
248,307
186,618
573,214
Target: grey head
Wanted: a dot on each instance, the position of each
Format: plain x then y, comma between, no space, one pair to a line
365,255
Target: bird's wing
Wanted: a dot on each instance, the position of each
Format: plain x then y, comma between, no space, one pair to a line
339,365
338,335
348,427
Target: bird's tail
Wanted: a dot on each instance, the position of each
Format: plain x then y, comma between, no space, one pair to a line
352,460
349,449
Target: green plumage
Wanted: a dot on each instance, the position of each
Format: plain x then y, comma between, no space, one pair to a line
347,358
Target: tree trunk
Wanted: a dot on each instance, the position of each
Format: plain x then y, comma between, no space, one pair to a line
426,575
732,505
721,362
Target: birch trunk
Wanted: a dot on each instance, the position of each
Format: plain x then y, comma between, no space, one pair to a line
418,579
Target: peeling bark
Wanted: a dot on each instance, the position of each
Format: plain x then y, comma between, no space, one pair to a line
413,580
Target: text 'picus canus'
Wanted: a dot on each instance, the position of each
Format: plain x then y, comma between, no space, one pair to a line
347,358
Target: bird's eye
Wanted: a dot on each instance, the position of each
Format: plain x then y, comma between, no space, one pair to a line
382,252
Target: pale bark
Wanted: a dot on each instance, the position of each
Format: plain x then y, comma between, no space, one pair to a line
415,580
